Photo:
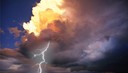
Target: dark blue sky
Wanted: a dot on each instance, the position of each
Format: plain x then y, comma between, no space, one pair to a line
13,13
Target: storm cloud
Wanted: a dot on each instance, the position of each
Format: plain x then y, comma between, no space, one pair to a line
95,33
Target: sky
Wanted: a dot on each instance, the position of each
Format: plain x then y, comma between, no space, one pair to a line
13,14
94,36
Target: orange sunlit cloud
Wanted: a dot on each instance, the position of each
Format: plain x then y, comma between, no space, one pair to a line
45,13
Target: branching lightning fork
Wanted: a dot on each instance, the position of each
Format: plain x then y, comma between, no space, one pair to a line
43,55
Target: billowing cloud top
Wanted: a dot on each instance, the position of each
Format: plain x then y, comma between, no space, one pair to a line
95,33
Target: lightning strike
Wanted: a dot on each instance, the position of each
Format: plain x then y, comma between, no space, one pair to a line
43,59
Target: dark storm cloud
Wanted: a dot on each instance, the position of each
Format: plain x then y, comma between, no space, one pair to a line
14,61
97,34
6,63
9,52
96,20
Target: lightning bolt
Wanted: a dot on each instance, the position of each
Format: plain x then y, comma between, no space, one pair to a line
43,59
